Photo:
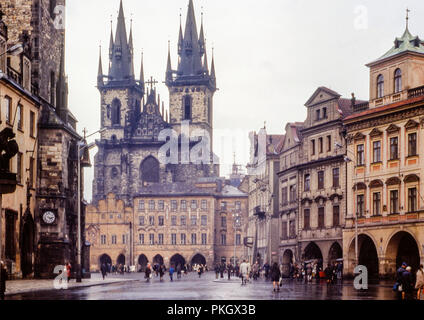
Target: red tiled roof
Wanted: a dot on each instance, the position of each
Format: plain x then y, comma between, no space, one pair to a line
385,108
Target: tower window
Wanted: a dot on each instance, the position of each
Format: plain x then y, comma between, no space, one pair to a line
398,81
380,86
116,112
150,170
187,108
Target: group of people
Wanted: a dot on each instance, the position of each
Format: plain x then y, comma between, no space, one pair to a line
159,271
228,268
406,285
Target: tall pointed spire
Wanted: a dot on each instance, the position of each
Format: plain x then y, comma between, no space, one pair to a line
142,71
121,60
213,76
202,38
191,56
180,39
131,46
100,82
168,75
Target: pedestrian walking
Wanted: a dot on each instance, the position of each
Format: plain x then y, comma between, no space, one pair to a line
217,270
3,278
398,288
229,269
148,272
68,270
171,273
178,271
275,276
266,269
200,270
255,271
103,269
419,284
222,270
244,271
162,270
407,284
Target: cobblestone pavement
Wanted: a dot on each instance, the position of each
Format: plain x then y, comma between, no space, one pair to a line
208,288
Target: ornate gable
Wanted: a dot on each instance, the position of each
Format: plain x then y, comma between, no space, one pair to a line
375,133
320,95
411,124
393,128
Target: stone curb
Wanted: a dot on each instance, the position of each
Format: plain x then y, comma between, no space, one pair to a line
70,287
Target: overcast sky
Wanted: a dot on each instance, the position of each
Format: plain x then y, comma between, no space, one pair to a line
270,55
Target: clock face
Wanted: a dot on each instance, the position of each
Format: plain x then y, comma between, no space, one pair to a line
49,217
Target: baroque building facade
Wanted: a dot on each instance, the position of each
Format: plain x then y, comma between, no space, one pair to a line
384,218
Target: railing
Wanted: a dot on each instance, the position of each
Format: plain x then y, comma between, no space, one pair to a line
416,92
14,75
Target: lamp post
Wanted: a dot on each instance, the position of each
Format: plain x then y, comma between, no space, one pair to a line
236,224
14,50
81,147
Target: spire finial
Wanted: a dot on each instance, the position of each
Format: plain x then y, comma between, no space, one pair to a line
407,17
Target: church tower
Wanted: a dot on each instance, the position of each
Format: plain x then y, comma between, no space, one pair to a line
192,85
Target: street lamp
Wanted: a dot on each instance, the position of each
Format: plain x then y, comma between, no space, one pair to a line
14,50
81,147
236,224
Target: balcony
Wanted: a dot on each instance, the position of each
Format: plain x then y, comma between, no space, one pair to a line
415,92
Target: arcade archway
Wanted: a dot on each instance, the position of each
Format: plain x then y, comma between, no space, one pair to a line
121,259
287,261
198,259
142,261
335,252
104,258
402,247
158,259
176,260
367,255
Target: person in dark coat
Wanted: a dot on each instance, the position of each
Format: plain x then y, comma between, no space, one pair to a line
162,270
148,272
275,276
179,271
399,277
222,269
266,268
103,269
407,282
217,270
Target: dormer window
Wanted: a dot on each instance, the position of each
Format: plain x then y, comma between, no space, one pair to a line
380,86
398,81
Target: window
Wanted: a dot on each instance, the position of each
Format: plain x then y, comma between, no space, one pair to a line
193,204
152,205
141,221
141,238
223,222
313,147
20,116
187,108
293,193
284,234
183,205
183,220
328,143
394,201
193,238
321,145
318,115
306,219
152,220
223,206
321,180
52,87
193,220
183,238
174,205
336,216
204,220
204,205
116,112
223,239
160,238
360,205
113,239
32,124
151,239
19,159
412,199
141,205
321,220
412,144
238,239
149,170
380,86
161,205
394,148
376,151
204,239
173,239
336,177
161,221
103,239
238,205
292,229
124,239
360,160
324,113
307,182
284,196
376,199
31,172
173,221
398,81
8,109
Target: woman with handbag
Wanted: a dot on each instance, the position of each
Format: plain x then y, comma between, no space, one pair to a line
275,276
419,284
